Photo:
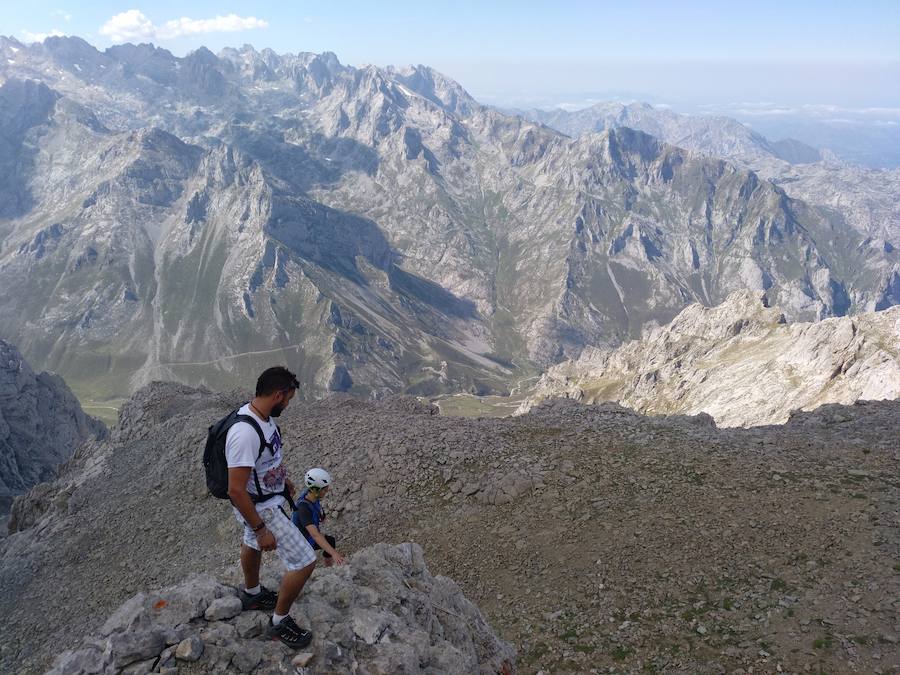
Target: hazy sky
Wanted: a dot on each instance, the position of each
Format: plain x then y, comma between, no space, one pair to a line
785,52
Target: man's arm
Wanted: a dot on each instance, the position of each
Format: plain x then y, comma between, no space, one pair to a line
237,491
324,545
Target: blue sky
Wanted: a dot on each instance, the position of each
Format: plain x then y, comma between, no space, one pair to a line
784,52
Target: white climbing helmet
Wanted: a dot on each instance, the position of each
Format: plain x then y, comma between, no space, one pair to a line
317,478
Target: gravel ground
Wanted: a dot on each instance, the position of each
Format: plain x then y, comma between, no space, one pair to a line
592,538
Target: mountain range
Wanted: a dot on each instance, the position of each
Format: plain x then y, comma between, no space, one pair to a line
377,229
868,199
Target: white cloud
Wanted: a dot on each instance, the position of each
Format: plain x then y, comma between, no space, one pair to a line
230,23
135,25
763,112
62,14
28,36
129,26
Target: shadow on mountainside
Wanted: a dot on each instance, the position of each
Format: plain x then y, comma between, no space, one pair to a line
24,105
334,240
319,162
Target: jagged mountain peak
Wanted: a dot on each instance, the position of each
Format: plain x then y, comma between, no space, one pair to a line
129,51
329,60
68,47
436,87
202,55
9,41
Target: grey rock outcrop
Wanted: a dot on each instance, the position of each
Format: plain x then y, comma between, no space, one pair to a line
382,613
739,362
41,424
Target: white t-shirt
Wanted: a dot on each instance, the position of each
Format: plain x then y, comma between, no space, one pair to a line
242,449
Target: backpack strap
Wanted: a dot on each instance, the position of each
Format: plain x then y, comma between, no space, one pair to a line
261,495
263,444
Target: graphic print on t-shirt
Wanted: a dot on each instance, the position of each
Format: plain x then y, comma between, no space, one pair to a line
269,468
273,479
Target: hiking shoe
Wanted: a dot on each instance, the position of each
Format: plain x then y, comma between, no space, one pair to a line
289,633
264,600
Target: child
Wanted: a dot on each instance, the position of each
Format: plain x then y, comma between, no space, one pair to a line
310,513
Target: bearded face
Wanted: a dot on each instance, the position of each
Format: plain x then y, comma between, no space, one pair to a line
279,407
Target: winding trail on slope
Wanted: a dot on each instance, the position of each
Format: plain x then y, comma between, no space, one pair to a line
224,358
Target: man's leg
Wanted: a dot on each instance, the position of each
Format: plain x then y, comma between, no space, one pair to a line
291,585
250,562
251,557
299,560
295,553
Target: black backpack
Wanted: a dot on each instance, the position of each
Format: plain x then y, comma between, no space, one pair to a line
216,465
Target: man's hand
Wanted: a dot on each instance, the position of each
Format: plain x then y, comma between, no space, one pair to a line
266,540
338,559
290,487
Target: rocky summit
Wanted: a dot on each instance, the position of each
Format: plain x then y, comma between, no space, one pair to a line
41,424
740,362
382,613
377,229
591,538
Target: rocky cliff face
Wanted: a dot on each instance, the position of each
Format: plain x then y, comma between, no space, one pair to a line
377,229
41,424
739,362
683,533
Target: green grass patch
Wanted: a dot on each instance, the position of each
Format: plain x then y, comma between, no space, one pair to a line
537,651
621,653
823,642
691,613
779,585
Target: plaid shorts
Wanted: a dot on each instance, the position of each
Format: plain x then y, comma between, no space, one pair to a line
292,547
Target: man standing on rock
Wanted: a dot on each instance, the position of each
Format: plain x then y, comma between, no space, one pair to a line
257,484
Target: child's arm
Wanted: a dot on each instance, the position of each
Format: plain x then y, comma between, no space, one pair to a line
324,545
